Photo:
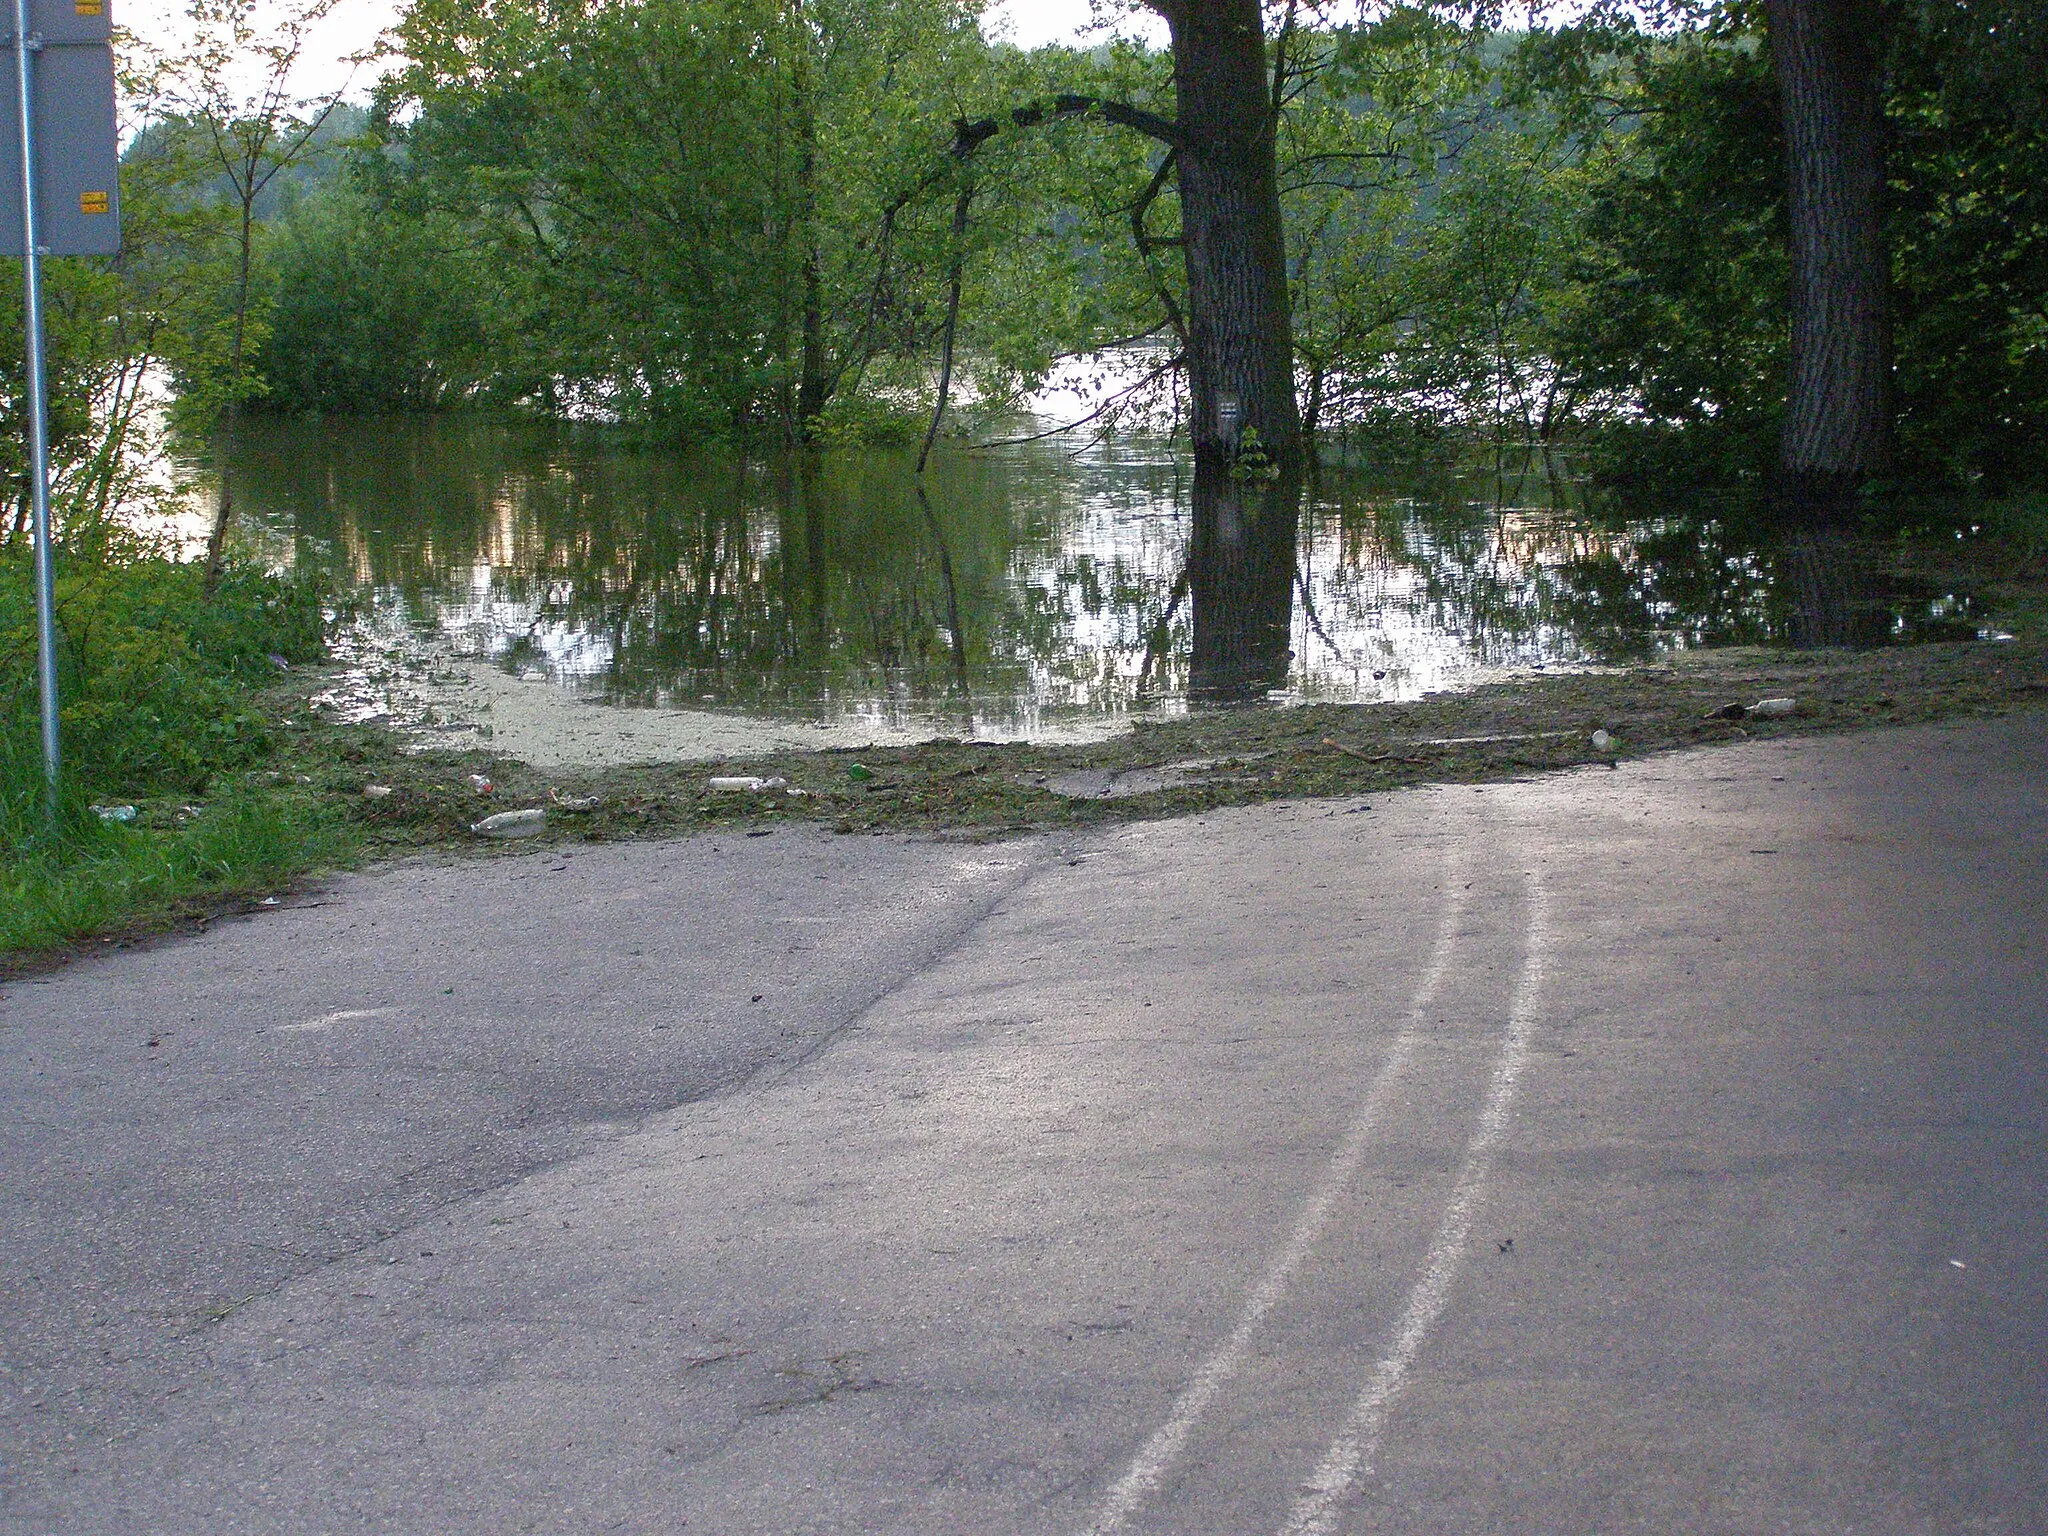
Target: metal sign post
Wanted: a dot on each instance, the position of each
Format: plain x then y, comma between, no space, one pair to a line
69,206
38,406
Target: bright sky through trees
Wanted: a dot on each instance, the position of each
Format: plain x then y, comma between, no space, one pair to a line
355,26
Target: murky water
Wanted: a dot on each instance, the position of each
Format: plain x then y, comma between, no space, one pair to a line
1026,589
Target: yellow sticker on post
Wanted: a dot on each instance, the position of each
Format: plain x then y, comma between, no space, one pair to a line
94,202
67,23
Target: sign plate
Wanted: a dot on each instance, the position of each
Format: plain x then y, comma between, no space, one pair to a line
78,151
60,22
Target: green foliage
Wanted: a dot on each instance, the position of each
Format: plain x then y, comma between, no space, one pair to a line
708,213
109,326
229,146
1679,324
1968,110
370,310
1378,120
1251,462
157,679
1675,327
80,352
730,217
162,703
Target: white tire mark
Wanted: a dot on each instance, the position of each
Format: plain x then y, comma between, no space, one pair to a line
1350,1455
329,1020
1163,1450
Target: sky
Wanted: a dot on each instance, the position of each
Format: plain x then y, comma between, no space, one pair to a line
355,24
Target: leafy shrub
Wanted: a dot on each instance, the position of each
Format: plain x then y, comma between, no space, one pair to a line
155,676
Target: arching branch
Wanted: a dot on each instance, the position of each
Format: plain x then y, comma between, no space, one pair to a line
1147,243
954,274
969,136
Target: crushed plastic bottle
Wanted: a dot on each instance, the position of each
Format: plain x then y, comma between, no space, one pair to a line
376,791
513,824
1602,742
121,813
748,784
1774,709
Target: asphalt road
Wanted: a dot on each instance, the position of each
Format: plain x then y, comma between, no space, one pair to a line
1655,1150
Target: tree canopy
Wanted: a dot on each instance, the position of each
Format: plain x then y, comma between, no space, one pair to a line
748,218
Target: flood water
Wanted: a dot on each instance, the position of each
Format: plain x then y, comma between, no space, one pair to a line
1026,589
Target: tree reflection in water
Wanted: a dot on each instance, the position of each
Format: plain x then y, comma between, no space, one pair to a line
1027,584
1241,573
1835,590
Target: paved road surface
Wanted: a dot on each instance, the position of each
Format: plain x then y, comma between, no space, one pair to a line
1655,1150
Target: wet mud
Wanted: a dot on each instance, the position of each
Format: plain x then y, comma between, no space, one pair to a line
411,799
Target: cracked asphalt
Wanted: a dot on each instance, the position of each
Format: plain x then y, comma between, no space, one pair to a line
1658,1149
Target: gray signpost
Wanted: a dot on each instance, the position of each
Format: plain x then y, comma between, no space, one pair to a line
60,162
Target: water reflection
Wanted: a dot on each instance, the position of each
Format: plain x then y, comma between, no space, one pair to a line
1241,572
1018,587
1836,590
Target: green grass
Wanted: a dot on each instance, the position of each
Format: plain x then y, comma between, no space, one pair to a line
167,706
98,879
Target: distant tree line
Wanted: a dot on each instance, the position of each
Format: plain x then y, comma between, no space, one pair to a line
793,218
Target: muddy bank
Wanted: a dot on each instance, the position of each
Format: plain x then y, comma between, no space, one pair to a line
411,799
535,721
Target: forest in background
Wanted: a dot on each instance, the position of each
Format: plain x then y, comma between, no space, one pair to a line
749,218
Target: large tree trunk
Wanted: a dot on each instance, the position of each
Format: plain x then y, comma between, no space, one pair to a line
1838,414
1834,592
1240,350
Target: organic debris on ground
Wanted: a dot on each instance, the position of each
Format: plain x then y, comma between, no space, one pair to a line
1197,762
1181,766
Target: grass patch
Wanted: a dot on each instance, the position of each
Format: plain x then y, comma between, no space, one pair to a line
99,880
168,709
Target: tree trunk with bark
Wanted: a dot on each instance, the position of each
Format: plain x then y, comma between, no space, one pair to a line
1838,412
1239,349
1835,591
1240,344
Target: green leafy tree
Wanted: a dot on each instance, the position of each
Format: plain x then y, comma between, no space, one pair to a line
704,200
1677,323
241,139
1967,112
370,309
